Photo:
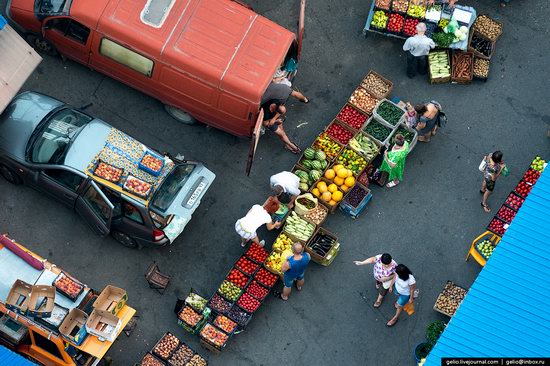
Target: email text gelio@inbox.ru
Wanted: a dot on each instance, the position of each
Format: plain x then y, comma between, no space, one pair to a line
495,361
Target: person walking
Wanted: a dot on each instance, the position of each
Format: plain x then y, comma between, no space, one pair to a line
278,91
273,120
491,166
428,120
417,48
257,216
384,272
293,269
285,186
394,161
404,285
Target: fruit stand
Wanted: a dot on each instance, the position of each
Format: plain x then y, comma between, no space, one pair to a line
483,246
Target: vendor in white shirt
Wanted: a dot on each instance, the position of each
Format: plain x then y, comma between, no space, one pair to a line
285,186
417,49
255,217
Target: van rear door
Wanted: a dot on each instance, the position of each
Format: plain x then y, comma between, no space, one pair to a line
301,27
254,141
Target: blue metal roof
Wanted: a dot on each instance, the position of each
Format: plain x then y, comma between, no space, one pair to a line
9,358
506,311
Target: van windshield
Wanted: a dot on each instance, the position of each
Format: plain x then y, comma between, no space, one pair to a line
52,7
168,191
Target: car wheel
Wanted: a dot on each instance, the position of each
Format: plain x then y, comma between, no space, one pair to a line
41,45
10,175
124,239
179,115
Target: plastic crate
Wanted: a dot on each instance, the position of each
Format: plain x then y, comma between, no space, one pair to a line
379,117
354,211
414,140
146,168
386,141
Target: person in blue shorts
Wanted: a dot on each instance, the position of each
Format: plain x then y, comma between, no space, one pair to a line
403,285
294,268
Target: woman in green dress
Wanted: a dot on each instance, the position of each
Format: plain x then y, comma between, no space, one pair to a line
394,161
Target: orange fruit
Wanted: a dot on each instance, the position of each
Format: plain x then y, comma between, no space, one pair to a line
332,202
350,181
337,196
344,188
338,181
326,196
342,173
330,174
336,168
350,173
332,188
316,192
322,187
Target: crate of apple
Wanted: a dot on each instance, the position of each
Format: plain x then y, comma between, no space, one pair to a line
506,214
108,172
497,226
266,278
514,201
339,133
523,189
68,287
409,28
395,23
238,278
151,164
137,186
248,303
257,253
352,117
256,290
247,266
214,335
531,176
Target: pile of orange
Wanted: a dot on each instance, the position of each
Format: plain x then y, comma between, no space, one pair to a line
341,180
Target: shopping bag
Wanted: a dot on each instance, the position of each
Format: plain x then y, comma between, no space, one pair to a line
482,165
301,209
505,172
409,308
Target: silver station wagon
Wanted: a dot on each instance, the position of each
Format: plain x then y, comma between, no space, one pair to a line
115,183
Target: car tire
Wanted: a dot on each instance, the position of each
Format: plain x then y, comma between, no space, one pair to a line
180,115
124,239
41,45
10,175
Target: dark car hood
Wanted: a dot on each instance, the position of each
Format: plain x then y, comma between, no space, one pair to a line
20,118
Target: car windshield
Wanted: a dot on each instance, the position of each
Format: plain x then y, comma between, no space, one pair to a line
54,136
53,7
169,189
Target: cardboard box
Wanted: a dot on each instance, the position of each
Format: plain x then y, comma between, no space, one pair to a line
103,324
73,327
111,299
19,296
41,301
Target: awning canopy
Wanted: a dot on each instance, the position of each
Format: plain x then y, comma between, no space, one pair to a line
17,62
10,358
505,313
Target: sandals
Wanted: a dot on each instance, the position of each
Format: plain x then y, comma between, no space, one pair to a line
391,184
482,191
296,151
486,207
298,288
306,101
279,295
389,324
377,304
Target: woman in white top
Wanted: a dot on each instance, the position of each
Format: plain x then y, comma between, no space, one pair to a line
404,285
257,216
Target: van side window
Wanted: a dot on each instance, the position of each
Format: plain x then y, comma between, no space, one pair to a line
70,28
127,57
67,179
46,345
131,212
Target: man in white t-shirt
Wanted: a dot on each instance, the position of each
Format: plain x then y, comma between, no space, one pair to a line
255,217
417,48
285,186
404,285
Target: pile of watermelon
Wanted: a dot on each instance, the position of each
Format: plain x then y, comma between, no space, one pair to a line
314,163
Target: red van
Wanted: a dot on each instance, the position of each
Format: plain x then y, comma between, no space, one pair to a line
209,60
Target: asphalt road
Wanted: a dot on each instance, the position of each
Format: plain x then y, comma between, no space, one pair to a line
428,222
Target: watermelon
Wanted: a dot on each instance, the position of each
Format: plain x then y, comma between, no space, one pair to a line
320,155
324,164
302,175
316,164
314,175
309,153
308,164
304,187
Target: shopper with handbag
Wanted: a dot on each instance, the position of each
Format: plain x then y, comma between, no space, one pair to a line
384,272
492,167
404,286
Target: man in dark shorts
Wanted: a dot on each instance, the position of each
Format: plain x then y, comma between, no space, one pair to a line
279,92
274,112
